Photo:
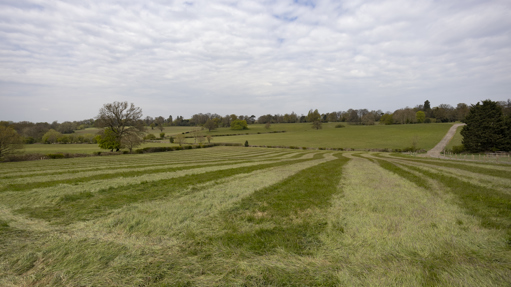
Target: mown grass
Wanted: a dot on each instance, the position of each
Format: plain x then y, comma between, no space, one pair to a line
88,205
231,216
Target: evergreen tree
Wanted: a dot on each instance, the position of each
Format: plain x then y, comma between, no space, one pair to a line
486,129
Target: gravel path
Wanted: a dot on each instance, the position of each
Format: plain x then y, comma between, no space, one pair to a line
435,152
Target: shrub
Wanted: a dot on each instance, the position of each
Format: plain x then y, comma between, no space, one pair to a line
458,149
246,143
171,139
96,153
55,155
162,135
150,137
339,126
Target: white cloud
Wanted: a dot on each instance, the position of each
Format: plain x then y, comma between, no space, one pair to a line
249,57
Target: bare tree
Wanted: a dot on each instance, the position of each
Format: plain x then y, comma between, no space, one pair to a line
121,119
180,139
131,141
196,133
10,141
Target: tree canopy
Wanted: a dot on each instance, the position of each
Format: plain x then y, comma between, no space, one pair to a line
120,121
486,128
10,141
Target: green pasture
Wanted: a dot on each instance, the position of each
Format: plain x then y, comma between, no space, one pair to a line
300,135
236,216
351,136
75,148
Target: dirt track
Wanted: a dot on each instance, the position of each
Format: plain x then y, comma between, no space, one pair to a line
435,152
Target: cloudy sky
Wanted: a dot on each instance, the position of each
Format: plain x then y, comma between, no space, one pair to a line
62,60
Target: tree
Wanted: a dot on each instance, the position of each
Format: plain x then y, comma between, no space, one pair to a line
313,116
420,116
107,139
196,133
239,125
209,137
171,139
387,119
10,141
159,122
51,136
121,120
210,125
317,125
486,129
180,139
267,125
368,119
131,141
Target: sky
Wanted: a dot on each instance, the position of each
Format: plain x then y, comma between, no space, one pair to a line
62,60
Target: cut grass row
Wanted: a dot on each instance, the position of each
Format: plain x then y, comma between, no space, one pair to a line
275,219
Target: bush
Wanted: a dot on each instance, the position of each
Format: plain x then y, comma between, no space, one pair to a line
339,126
96,153
162,135
458,149
55,155
125,152
150,137
246,143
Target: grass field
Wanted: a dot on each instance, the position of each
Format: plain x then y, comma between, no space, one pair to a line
456,140
352,136
301,135
233,216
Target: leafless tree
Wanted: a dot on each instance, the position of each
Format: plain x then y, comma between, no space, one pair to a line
122,119
180,139
131,141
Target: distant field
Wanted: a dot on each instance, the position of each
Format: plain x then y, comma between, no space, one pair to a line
235,216
74,148
301,135
356,136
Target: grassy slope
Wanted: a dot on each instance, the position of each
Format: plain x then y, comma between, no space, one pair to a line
255,217
359,137
301,135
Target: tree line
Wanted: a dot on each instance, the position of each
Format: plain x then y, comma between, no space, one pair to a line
113,136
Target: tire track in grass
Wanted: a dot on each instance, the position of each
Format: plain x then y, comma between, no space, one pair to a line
386,230
88,205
